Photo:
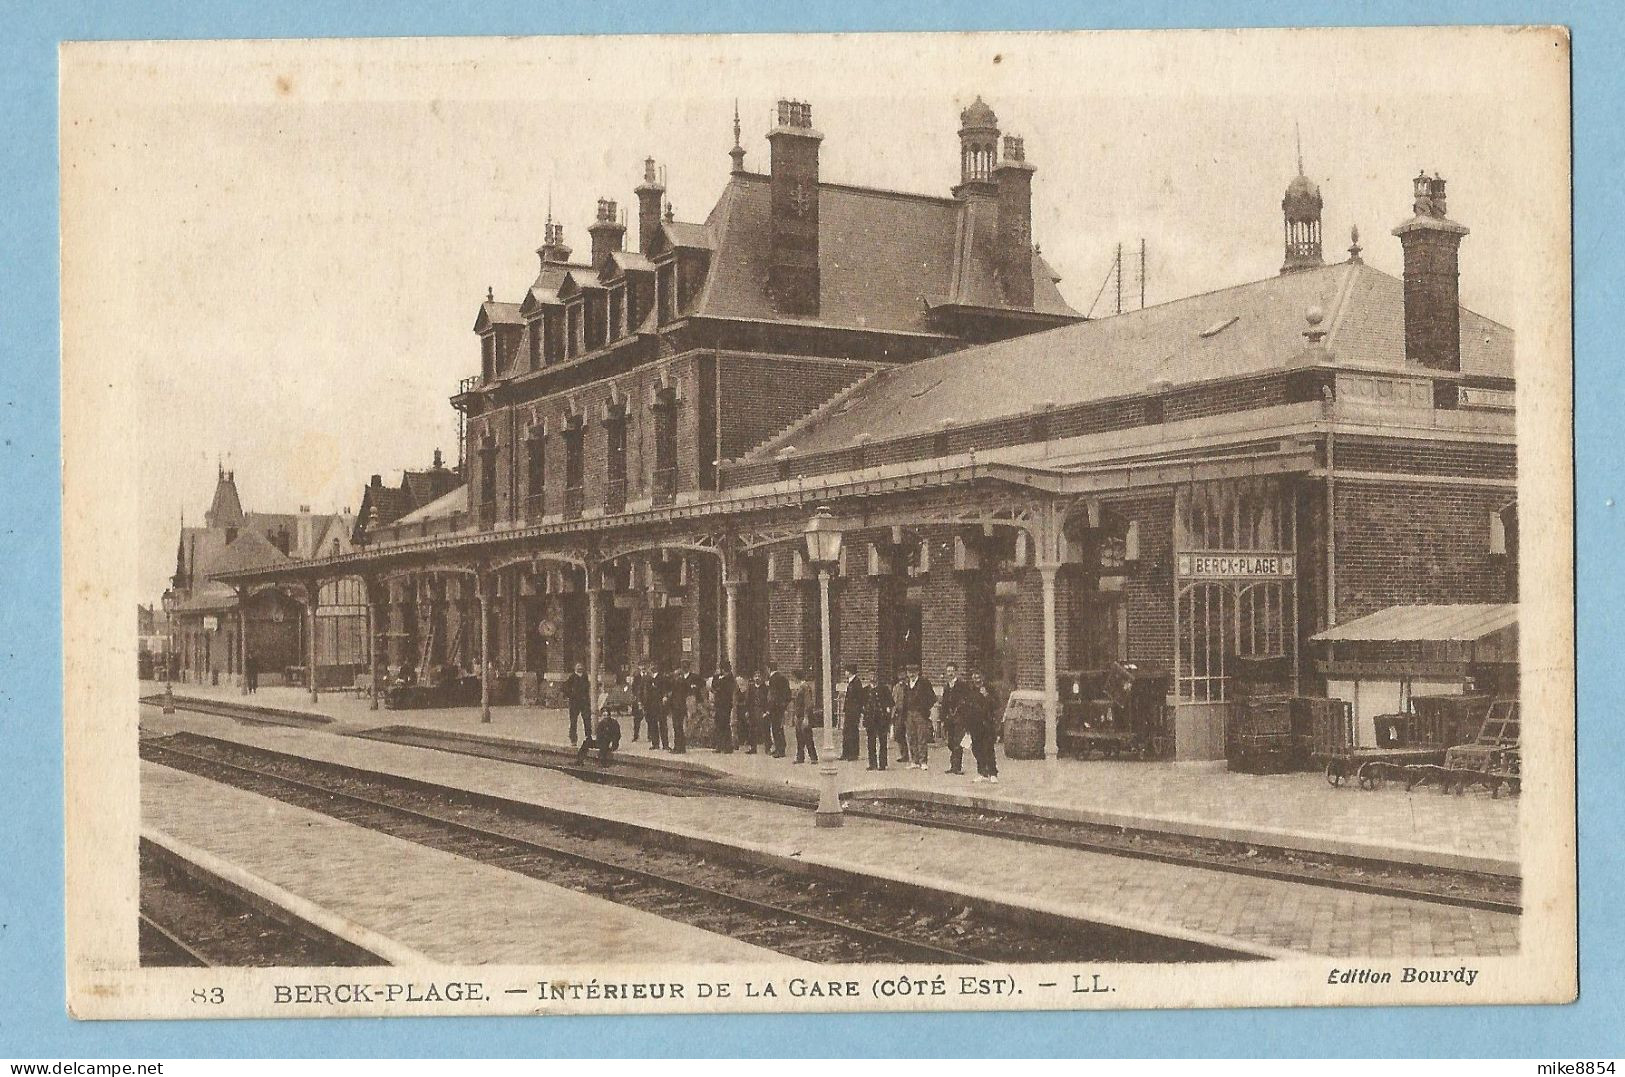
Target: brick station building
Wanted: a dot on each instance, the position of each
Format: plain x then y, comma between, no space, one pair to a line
1020,489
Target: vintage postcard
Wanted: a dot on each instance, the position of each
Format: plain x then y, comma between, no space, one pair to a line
818,522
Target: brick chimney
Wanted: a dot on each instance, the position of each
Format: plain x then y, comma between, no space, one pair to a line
1014,179
1432,281
650,193
607,231
793,279
553,248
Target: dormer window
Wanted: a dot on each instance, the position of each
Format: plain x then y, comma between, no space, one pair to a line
666,291
572,330
552,336
617,312
536,344
488,357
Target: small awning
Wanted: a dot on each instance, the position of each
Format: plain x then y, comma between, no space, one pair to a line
1403,624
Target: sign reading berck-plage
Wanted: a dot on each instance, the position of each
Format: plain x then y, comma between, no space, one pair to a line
1226,566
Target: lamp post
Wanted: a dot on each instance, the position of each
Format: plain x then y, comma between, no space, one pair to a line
823,537
171,600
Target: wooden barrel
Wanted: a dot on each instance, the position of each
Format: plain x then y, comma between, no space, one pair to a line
1024,738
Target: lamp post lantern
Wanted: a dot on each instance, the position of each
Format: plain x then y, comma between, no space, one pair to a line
823,536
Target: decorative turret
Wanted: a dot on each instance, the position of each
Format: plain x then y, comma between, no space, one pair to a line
1300,215
738,152
226,511
978,149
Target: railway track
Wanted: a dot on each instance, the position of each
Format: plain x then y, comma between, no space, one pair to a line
814,914
1465,889
1439,886
192,919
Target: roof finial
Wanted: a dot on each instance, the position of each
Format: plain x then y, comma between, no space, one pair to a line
1354,243
1297,134
671,215
490,294
738,152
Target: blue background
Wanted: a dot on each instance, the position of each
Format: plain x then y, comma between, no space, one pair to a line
33,1018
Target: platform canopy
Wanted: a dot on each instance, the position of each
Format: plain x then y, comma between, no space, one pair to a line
1404,624
1419,639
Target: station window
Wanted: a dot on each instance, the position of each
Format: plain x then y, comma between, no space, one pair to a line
617,313
1228,608
666,287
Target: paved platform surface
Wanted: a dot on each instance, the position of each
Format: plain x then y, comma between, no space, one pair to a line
1288,809
1136,893
445,907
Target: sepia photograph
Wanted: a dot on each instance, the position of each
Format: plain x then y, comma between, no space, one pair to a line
818,522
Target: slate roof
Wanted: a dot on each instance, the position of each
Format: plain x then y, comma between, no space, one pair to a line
227,508
493,312
684,234
447,504
1234,332
884,258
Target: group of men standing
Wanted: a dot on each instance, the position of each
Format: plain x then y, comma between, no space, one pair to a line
737,711
912,709
728,710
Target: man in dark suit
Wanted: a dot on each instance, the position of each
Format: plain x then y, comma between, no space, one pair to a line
578,695
976,712
640,676
852,708
778,701
955,692
753,711
687,689
918,698
722,707
654,708
877,708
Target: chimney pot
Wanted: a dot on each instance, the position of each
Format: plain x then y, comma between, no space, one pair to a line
1431,242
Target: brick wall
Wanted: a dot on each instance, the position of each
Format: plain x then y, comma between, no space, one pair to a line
1030,625
761,395
509,425
858,596
791,606
1427,457
1403,543
942,618
1148,594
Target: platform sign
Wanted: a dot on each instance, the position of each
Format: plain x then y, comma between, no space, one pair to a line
1233,566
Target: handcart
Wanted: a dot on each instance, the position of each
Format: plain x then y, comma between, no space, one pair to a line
1402,748
1117,711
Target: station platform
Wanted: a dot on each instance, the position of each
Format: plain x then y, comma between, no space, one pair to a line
1295,811
445,907
1269,917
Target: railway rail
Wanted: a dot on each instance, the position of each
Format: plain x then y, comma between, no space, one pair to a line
1467,889
810,912
189,917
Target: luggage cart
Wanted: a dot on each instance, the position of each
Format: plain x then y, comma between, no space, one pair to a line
1401,748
